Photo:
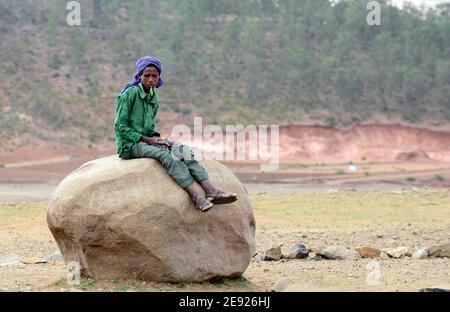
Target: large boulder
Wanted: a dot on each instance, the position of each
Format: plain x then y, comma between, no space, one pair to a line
129,219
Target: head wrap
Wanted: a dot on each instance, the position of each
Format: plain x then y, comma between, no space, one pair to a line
141,64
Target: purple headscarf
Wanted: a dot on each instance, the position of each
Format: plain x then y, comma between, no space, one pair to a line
142,64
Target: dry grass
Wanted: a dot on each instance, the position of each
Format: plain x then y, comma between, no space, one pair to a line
351,209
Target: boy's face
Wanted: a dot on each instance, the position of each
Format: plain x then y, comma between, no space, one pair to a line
150,77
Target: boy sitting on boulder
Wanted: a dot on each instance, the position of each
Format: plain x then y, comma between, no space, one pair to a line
136,137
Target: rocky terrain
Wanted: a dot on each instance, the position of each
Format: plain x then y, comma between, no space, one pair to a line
396,223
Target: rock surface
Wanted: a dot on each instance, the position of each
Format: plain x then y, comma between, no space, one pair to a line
297,251
368,252
280,285
129,219
441,251
339,253
272,252
399,252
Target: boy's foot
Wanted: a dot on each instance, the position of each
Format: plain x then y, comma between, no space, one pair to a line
221,198
203,204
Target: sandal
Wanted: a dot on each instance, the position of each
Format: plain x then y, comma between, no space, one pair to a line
203,204
221,198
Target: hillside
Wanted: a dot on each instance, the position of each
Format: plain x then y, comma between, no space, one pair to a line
232,62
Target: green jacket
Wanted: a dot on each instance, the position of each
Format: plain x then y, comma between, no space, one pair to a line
135,117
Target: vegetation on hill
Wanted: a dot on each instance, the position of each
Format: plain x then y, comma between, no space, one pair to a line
254,61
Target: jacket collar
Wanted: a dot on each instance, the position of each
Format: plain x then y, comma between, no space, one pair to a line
142,93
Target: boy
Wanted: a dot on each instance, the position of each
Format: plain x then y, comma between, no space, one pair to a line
136,137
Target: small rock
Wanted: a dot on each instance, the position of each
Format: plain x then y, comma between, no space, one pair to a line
10,260
266,270
399,252
380,236
280,285
272,252
384,256
340,253
436,289
368,252
420,254
440,251
56,256
298,251
33,260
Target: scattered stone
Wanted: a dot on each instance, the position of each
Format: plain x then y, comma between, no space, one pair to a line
440,251
399,252
10,260
56,256
33,260
383,256
272,252
280,285
298,251
436,289
340,253
368,252
380,236
420,254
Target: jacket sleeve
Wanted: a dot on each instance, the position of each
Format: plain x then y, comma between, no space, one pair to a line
121,122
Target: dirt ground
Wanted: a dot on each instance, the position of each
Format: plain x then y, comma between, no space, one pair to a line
404,216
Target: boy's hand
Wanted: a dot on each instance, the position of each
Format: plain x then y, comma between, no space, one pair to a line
155,141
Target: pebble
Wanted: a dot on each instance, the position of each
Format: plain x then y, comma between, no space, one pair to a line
280,285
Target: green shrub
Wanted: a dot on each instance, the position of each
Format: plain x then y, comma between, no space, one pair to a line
331,121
